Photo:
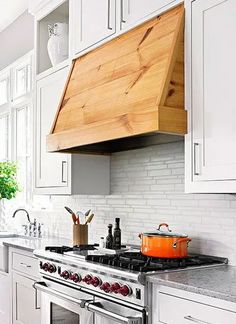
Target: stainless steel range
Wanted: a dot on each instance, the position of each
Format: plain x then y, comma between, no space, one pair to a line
82,285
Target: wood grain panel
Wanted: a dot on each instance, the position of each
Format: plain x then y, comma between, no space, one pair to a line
117,89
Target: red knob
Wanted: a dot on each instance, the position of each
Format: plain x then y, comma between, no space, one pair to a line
88,279
52,268
115,287
46,266
106,287
76,277
125,291
65,274
96,281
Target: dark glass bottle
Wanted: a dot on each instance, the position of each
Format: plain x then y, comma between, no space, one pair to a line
109,238
117,235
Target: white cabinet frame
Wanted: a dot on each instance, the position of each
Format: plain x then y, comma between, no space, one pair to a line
193,182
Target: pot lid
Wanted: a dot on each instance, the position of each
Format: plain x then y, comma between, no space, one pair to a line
165,233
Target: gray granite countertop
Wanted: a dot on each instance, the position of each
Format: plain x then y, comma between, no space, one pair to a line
31,244
218,282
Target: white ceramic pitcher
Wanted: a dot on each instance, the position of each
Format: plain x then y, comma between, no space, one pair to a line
58,42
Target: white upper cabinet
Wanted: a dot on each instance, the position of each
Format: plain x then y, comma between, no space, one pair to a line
210,144
134,11
51,169
92,22
58,173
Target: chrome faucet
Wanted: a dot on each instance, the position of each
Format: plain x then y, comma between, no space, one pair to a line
35,228
22,209
32,229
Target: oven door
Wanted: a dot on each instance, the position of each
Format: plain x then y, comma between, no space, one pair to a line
63,305
107,312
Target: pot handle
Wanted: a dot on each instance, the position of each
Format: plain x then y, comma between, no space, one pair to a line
181,240
164,225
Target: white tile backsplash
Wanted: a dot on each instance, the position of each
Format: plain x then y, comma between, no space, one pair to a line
148,188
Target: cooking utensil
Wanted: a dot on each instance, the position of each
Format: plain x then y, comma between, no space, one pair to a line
89,219
80,215
87,212
73,215
164,244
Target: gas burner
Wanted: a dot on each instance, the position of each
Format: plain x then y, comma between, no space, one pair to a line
76,248
135,261
58,249
85,247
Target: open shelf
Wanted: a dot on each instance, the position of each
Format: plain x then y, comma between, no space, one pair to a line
60,14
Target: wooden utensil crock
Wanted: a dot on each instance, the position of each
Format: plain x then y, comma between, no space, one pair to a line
80,234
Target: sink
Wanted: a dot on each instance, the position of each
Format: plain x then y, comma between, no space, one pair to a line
7,235
26,237
4,249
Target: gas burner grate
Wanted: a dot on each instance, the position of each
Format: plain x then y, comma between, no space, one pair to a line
135,261
85,247
76,248
58,249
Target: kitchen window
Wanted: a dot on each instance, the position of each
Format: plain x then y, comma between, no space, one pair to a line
15,121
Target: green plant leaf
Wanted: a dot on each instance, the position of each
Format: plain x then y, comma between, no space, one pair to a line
8,181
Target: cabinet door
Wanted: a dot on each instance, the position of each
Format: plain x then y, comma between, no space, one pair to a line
21,78
134,10
4,89
190,311
213,90
25,301
51,168
4,137
4,298
92,21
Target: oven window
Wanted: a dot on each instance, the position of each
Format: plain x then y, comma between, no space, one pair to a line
60,315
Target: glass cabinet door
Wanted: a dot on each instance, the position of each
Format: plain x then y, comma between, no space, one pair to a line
22,80
4,90
4,137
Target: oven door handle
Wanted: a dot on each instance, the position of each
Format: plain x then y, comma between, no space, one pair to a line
98,309
42,287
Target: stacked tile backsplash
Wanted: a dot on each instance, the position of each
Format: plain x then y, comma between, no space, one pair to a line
147,188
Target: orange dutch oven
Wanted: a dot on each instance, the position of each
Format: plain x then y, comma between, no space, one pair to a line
164,244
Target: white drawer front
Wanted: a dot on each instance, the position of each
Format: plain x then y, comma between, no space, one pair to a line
25,264
175,310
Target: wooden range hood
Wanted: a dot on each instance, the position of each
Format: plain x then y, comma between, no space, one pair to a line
125,92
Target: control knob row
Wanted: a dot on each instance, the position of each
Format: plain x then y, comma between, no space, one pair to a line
90,280
51,268
48,267
67,275
116,288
